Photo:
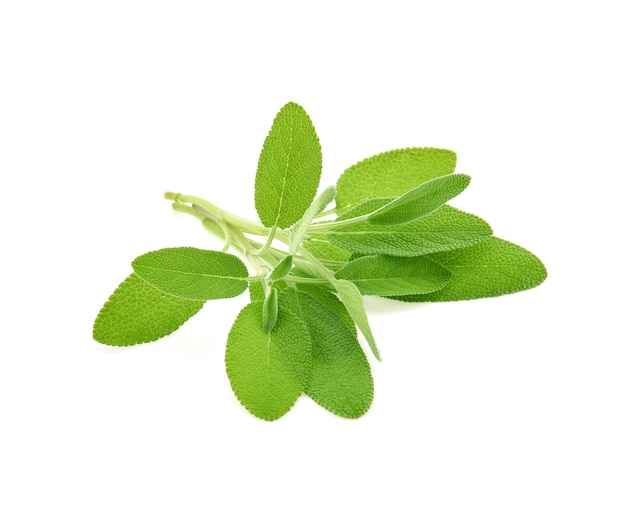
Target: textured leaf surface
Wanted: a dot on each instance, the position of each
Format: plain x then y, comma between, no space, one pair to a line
353,301
282,269
324,250
421,200
136,313
386,275
299,229
491,268
330,300
392,173
289,168
193,273
341,379
268,371
270,310
444,229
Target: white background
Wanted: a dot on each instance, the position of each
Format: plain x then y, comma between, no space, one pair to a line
510,402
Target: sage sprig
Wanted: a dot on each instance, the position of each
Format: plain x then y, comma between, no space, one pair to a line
390,233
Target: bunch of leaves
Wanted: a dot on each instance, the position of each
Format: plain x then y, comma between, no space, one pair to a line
389,233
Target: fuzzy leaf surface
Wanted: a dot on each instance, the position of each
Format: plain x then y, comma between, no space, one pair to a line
421,200
282,269
491,268
193,273
353,301
330,300
392,173
341,379
387,275
326,251
289,168
270,310
268,371
299,229
444,229
137,312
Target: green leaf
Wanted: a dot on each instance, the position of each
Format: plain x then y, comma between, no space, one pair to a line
325,251
392,173
330,300
353,301
257,291
282,269
386,275
268,371
289,168
299,229
444,229
491,268
136,313
366,207
421,200
341,379
193,273
270,310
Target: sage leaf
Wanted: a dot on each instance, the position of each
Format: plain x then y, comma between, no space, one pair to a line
326,251
421,200
193,273
492,268
268,371
270,310
341,379
387,275
137,312
299,229
282,269
289,168
353,301
392,173
444,229
329,300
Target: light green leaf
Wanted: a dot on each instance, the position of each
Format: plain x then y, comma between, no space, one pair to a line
392,173
386,275
341,379
268,371
421,200
193,273
325,251
299,229
491,268
270,310
353,301
444,229
330,300
257,291
282,269
289,168
366,207
136,313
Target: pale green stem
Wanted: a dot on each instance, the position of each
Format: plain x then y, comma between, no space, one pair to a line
304,280
246,225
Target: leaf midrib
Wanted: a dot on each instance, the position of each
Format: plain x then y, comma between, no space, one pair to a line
282,191
217,276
